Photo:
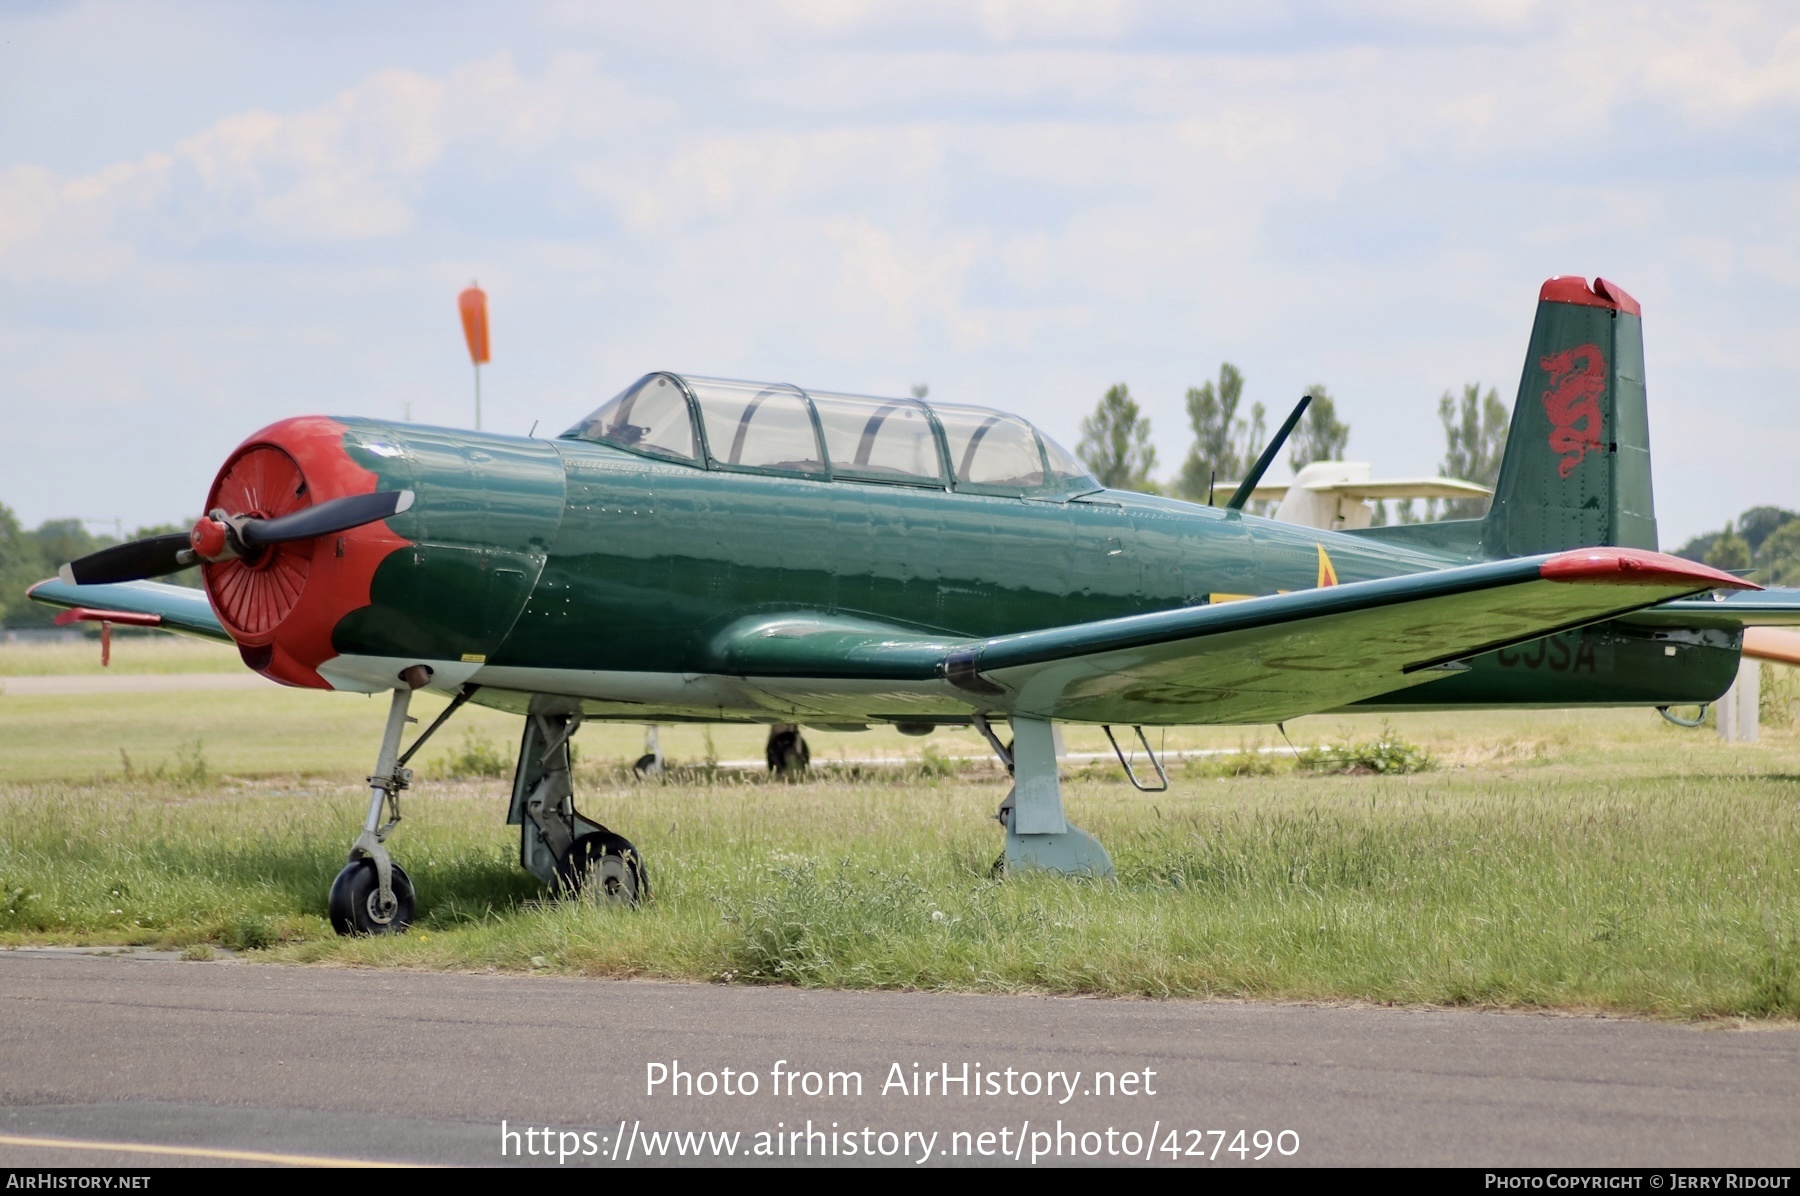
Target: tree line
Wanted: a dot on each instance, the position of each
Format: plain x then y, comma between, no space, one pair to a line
1762,544
1227,440
28,557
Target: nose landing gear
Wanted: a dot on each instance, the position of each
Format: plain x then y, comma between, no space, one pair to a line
373,895
365,898
358,905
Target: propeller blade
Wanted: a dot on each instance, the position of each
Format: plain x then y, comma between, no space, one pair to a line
130,562
338,515
160,555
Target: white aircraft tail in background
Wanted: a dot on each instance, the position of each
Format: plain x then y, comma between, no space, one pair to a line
1335,495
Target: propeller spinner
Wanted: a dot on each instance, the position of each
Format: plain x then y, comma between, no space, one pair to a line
221,537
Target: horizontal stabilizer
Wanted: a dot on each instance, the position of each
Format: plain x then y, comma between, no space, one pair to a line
1760,608
1408,488
1377,490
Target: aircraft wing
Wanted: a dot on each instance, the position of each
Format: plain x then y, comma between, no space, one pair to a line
1257,660
1274,658
176,608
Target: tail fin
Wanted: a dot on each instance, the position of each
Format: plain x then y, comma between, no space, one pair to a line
1576,471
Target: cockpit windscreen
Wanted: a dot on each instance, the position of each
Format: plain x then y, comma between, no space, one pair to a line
649,416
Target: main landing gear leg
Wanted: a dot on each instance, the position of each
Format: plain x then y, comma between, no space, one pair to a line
372,895
557,843
1038,836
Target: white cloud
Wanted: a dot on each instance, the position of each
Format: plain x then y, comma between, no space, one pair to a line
1714,61
354,168
348,169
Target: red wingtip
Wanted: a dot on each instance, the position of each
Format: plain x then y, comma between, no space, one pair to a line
1637,567
1573,288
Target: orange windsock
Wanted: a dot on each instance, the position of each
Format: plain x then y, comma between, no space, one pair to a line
473,305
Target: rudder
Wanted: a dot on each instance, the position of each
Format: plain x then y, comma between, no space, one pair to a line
1576,472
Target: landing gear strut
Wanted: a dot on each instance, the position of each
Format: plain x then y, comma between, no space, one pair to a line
557,843
1038,836
365,898
373,895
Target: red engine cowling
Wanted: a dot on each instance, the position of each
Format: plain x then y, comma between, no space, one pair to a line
281,603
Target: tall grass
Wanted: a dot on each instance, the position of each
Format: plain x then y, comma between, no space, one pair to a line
149,652
1662,883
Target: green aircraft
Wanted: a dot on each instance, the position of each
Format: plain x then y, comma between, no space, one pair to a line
709,550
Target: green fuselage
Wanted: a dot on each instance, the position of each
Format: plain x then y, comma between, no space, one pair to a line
566,570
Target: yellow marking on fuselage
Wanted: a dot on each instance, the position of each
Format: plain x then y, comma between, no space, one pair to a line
1327,574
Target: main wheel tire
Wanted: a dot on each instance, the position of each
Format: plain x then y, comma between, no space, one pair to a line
605,865
356,900
787,753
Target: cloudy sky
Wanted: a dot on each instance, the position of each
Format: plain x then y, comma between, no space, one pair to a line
216,215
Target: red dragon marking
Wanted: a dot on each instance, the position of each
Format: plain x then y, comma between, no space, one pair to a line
1574,398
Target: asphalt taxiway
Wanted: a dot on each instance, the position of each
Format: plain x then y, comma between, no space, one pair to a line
142,1060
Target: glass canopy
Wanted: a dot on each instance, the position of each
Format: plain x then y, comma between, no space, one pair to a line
777,428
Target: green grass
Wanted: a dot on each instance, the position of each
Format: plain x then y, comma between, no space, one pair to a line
131,653
1598,860
241,733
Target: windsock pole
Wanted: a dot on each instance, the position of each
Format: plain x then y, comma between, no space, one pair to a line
472,304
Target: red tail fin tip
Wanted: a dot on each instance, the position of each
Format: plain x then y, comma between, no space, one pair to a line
1573,288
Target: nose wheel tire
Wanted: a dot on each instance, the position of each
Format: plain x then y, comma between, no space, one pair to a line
605,866
356,901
